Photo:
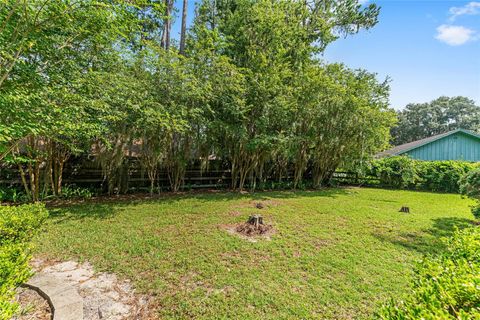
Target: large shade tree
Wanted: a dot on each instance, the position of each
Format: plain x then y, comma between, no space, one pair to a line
341,119
272,44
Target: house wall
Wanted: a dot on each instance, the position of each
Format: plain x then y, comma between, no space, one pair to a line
458,146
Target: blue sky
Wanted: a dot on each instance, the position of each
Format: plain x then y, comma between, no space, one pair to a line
423,46
428,49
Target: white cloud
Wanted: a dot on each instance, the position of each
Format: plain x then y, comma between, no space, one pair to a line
472,8
454,35
363,1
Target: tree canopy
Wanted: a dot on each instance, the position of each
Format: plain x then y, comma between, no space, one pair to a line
244,84
423,120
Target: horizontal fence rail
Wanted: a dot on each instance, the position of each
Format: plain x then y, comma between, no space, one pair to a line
87,174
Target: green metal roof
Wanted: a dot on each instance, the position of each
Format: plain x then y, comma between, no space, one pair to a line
401,149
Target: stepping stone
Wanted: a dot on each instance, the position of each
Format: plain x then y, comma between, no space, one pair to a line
64,300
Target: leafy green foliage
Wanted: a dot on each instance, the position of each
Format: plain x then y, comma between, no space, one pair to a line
48,47
423,120
352,105
283,93
445,287
442,175
470,186
12,194
18,224
398,172
404,172
44,43
14,270
72,192
100,78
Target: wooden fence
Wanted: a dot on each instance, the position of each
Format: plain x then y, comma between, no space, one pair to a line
88,174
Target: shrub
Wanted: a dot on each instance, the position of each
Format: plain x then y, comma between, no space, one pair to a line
14,270
470,186
17,226
398,172
445,287
442,175
12,194
19,223
71,192
404,172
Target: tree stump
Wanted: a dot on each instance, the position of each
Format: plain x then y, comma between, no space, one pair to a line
259,205
405,209
254,226
255,220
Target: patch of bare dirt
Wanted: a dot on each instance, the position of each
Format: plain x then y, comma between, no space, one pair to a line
249,232
105,297
32,305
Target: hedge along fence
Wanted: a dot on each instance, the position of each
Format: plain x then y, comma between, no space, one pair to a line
406,173
444,287
18,224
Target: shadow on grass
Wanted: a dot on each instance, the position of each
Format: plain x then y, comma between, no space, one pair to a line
82,211
105,207
428,241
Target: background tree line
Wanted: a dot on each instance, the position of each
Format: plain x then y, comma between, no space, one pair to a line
243,84
422,120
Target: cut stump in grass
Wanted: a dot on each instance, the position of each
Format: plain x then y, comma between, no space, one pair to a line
255,220
253,226
405,209
253,230
259,205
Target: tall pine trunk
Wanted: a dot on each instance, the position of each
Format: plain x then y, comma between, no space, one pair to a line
184,27
167,25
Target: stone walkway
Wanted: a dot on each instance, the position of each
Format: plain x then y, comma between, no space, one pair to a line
62,296
78,293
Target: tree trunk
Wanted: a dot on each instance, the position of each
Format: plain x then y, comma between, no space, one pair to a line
184,27
51,170
167,24
300,166
37,181
60,177
24,181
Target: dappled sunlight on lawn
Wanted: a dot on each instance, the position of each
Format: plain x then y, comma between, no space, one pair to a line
334,252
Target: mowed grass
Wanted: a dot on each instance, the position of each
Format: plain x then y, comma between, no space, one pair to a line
336,254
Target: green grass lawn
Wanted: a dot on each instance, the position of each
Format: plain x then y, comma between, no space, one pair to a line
336,254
